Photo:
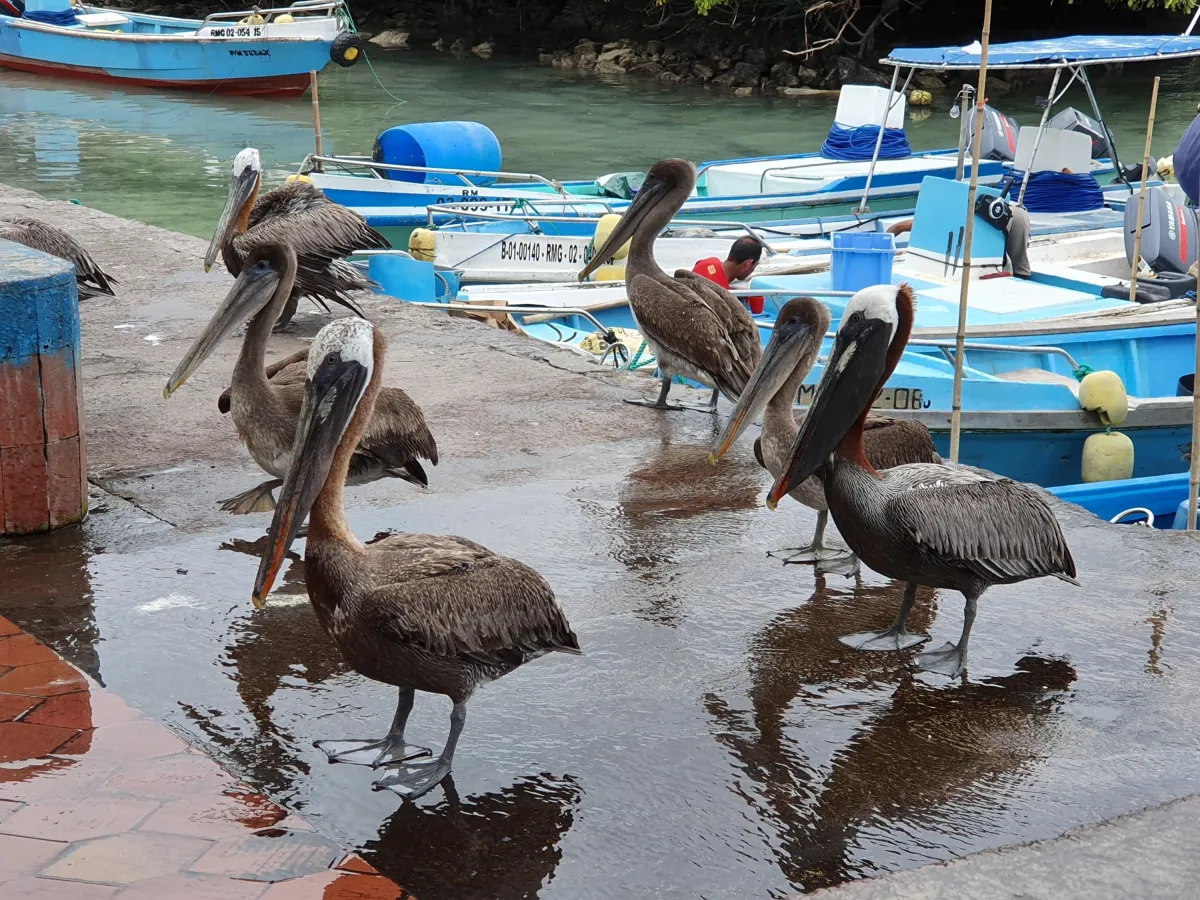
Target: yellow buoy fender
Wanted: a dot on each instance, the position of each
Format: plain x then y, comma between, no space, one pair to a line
920,98
611,272
298,177
422,244
252,19
285,19
1104,393
604,228
1107,457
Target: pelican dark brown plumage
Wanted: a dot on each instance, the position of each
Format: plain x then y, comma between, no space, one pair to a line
929,524
795,342
265,403
91,279
321,232
694,328
421,612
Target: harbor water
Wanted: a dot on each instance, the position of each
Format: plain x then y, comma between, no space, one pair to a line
164,158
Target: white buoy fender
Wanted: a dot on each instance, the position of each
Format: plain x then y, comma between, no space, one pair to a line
1104,393
1107,457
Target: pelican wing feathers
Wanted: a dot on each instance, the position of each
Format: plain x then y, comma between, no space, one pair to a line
455,598
998,529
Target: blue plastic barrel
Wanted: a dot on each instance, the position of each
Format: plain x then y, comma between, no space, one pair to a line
439,145
861,259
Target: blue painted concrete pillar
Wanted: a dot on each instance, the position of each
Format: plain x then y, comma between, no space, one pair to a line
43,455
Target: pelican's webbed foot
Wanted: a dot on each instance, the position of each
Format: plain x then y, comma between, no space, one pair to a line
949,660
661,402
370,753
257,499
892,639
412,779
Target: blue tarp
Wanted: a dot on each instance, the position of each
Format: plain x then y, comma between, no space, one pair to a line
1187,162
1080,48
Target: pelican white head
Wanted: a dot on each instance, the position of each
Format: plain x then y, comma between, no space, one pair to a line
247,160
875,302
349,339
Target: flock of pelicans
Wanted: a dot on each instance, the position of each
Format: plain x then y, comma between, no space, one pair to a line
445,615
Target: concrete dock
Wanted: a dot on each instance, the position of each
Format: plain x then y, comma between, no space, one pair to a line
507,412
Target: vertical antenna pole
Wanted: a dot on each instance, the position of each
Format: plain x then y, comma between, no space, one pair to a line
1137,235
316,98
960,335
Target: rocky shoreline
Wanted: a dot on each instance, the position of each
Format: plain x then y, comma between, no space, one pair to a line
743,71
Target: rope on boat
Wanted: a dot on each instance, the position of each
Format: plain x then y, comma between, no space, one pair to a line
353,28
1054,192
859,143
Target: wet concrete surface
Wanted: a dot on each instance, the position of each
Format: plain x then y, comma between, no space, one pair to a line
715,739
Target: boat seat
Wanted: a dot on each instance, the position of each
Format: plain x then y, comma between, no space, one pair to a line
1040,376
101,19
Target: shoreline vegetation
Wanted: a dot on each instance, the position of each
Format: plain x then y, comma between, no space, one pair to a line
793,48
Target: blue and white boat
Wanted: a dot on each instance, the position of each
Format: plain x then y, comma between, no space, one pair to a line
867,156
245,52
1158,501
1027,341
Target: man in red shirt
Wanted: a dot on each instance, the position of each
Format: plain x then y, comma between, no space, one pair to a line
737,266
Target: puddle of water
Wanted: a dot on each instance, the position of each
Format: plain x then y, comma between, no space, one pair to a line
714,740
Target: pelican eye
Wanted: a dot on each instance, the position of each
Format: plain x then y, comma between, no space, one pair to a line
332,358
794,320
856,316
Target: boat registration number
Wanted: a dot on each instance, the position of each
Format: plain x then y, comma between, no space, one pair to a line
237,31
889,398
549,252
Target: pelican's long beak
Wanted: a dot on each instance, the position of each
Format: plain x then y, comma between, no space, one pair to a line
330,398
252,291
648,196
776,366
241,190
851,380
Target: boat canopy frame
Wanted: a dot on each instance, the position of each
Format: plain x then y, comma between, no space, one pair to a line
1071,54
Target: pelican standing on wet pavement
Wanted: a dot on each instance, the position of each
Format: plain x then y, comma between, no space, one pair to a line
266,403
694,328
91,279
320,231
795,342
929,524
421,612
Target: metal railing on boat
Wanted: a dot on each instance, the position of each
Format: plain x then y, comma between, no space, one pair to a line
300,6
365,162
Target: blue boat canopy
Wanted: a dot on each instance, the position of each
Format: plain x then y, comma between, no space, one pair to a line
1080,49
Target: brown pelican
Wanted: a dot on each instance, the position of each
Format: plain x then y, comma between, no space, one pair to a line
795,341
92,280
265,404
321,232
694,328
422,612
924,523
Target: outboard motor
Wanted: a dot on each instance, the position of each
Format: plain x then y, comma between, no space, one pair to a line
998,139
1071,119
1170,232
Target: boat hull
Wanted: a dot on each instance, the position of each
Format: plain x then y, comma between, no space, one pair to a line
162,52
269,86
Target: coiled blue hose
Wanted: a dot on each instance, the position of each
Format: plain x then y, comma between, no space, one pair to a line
859,143
1060,192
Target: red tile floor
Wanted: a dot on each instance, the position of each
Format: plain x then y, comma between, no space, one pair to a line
98,802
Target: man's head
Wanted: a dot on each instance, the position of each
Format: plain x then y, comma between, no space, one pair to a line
743,258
